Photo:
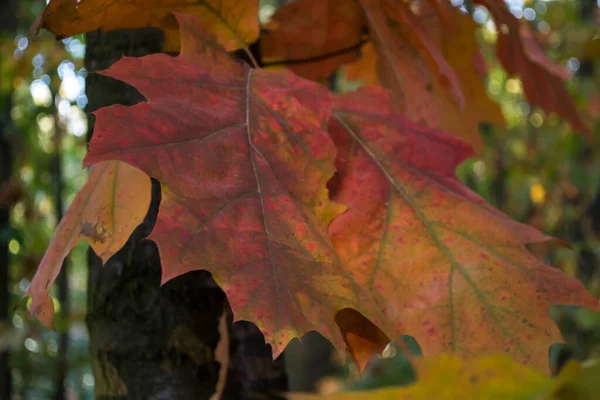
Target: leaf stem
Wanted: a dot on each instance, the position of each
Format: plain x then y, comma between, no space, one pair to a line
322,57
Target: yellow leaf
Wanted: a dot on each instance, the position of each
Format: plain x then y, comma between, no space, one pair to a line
450,377
113,202
233,23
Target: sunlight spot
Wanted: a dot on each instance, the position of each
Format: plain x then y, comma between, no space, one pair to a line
537,193
536,119
14,247
32,345
513,86
88,380
23,43
480,15
40,92
17,321
479,168
529,14
543,27
265,13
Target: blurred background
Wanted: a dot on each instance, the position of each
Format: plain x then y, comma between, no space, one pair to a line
536,170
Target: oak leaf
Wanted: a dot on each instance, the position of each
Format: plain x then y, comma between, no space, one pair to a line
521,54
234,23
243,158
454,272
314,29
113,202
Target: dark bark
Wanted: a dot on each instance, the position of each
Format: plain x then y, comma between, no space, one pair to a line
5,175
63,279
8,25
151,342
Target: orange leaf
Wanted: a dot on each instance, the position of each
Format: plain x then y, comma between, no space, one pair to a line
400,67
243,157
234,23
399,13
113,202
306,29
452,271
458,44
363,338
521,54
365,68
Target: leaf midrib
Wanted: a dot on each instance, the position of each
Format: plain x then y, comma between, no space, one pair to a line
454,264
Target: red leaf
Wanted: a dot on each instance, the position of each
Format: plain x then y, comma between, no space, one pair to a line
243,157
521,54
400,67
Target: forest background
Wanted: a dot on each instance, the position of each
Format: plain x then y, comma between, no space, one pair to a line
536,170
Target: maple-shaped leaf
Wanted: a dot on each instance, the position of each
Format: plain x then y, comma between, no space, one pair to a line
521,54
243,158
113,202
314,29
454,272
454,33
234,23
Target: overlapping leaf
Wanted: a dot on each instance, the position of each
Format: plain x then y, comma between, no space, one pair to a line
486,378
400,67
400,15
113,202
521,54
234,23
243,157
456,40
363,338
451,377
453,271
314,29
365,68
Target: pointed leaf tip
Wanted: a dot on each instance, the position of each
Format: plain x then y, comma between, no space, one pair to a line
468,282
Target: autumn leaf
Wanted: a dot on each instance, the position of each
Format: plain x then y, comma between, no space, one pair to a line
450,377
522,55
400,14
113,202
314,29
459,46
233,23
363,338
365,68
400,67
243,158
452,271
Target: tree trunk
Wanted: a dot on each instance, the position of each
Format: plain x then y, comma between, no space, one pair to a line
8,25
146,341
